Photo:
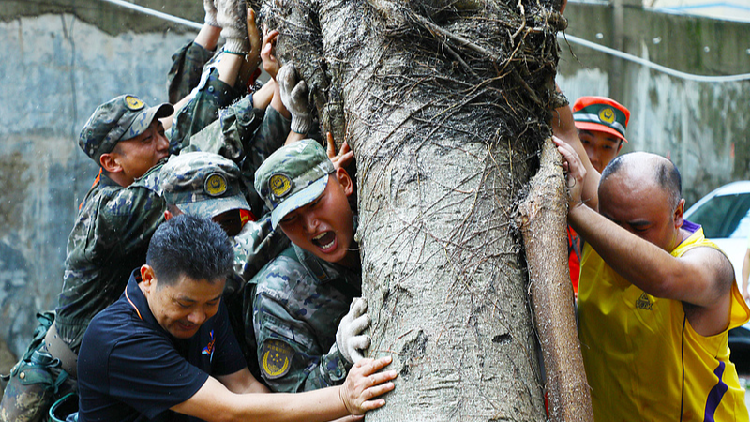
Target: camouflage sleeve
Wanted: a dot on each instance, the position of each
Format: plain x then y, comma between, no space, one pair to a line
187,67
228,135
202,109
116,224
290,356
256,245
109,239
269,137
243,134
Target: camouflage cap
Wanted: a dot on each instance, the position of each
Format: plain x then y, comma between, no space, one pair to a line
119,119
293,176
202,184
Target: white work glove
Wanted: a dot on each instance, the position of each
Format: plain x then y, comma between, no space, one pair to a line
349,338
210,17
293,93
232,17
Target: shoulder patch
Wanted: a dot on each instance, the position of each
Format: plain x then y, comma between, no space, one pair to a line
276,358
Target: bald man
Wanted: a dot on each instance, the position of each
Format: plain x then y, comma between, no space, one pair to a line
656,298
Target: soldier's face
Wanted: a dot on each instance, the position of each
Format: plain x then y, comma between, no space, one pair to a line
231,221
181,308
137,155
601,147
325,226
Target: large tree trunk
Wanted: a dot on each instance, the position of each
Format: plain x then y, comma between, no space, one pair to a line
445,104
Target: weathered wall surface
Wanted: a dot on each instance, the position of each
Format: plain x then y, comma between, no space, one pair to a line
60,60
702,127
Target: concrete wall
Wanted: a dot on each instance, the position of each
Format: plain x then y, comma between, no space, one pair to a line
702,127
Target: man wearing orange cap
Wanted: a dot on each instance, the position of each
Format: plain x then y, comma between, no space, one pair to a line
601,124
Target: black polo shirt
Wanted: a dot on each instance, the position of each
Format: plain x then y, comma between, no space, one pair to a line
131,369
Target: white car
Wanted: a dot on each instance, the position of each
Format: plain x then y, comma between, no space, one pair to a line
725,216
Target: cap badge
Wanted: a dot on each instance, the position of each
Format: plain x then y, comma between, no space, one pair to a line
133,103
215,184
607,115
280,185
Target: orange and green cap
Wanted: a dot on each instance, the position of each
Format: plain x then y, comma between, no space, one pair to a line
601,114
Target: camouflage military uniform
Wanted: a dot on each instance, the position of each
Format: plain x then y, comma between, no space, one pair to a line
247,136
202,109
109,239
299,301
300,298
187,67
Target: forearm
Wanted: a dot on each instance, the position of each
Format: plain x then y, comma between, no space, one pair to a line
563,127
215,403
229,67
262,97
208,36
294,137
313,406
643,264
166,122
278,105
242,382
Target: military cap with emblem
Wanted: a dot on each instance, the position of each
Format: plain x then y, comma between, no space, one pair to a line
202,184
119,119
292,177
601,114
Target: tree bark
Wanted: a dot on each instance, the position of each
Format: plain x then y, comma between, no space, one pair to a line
445,104
542,216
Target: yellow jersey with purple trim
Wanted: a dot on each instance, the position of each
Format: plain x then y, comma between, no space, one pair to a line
643,359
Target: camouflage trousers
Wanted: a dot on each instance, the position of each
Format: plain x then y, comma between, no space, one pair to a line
36,381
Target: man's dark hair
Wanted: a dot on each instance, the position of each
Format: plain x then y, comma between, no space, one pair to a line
667,176
189,246
612,168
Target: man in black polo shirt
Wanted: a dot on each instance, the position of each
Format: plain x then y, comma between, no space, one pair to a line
149,355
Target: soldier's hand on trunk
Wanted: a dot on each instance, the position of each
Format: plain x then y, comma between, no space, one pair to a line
364,383
293,92
232,17
349,338
209,7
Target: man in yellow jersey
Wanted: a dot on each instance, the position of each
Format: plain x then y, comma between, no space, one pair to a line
656,298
